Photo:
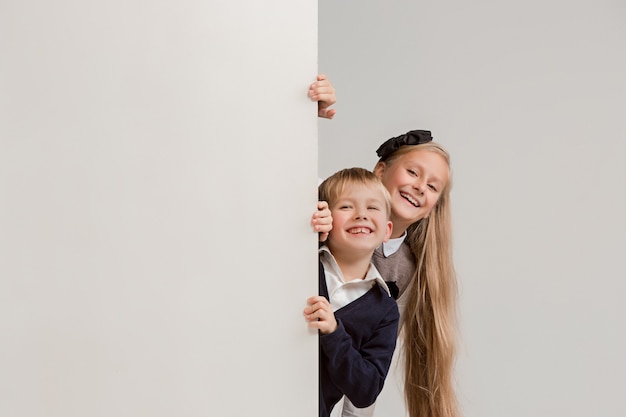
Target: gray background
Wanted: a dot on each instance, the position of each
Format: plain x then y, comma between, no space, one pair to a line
144,208
529,97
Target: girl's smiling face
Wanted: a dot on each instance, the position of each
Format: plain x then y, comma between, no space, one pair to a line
415,181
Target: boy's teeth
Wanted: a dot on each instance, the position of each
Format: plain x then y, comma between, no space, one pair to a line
360,230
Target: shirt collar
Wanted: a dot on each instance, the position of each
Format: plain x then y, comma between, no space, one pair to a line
371,275
392,245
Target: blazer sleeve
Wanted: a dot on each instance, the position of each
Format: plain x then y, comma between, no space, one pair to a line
360,374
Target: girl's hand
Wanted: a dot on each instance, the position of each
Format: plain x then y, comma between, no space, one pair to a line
323,92
322,220
320,314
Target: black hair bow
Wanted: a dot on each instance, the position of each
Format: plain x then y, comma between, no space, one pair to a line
414,137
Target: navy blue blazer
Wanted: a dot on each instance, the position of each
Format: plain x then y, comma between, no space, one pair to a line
355,359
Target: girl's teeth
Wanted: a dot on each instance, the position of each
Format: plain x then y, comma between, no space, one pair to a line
410,200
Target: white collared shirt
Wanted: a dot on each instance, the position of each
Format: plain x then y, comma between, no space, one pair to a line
342,293
392,245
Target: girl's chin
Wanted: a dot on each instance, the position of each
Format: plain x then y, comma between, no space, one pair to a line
409,216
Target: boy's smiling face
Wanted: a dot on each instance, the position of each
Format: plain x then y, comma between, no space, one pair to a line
360,220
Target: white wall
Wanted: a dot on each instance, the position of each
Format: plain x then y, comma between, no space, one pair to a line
529,97
144,208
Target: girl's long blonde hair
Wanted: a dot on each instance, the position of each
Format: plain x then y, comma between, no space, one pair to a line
430,322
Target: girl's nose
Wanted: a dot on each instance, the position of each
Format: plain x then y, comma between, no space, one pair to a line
419,185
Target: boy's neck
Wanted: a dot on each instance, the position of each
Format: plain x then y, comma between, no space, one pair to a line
353,267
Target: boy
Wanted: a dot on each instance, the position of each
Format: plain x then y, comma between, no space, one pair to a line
355,314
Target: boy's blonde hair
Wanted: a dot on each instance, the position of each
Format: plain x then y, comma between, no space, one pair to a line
334,186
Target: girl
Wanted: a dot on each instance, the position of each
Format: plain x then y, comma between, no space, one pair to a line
418,262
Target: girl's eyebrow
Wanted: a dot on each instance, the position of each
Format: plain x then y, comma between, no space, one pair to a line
420,167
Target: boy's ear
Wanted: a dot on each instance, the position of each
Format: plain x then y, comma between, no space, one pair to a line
388,231
379,169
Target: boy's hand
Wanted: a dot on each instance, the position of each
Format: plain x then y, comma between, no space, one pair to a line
322,220
323,92
320,315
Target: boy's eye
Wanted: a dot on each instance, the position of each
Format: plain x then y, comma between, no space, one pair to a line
373,208
345,206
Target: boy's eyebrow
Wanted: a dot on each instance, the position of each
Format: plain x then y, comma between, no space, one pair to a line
367,200
344,199
376,200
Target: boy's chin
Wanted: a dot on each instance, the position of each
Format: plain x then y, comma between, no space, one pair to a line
363,246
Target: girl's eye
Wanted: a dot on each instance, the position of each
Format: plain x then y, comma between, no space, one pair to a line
412,172
432,187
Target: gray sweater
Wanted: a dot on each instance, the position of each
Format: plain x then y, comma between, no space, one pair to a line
398,268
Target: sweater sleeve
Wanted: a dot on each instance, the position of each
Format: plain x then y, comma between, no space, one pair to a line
360,374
